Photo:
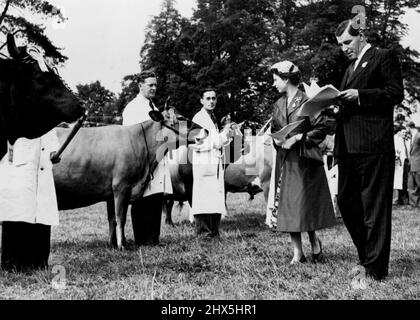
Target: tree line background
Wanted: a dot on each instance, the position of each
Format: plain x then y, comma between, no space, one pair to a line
229,45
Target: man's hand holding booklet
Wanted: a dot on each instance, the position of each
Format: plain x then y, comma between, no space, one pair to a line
319,99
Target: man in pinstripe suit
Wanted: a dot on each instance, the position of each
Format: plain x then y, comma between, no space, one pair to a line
364,147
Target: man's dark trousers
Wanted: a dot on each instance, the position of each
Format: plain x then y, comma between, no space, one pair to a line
25,246
146,215
207,224
365,188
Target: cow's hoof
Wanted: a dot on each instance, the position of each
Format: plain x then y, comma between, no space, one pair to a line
122,248
113,245
169,223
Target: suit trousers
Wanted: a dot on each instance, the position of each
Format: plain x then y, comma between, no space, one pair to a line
365,187
25,246
207,224
414,188
146,214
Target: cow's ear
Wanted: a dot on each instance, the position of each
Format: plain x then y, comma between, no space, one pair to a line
11,46
156,116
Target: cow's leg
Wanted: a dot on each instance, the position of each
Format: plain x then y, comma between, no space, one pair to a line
121,206
112,223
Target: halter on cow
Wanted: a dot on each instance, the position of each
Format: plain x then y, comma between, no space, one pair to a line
33,97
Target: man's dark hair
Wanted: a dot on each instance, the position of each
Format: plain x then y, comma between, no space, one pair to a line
343,26
145,75
207,89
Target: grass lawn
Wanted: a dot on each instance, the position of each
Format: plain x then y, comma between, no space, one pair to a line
248,262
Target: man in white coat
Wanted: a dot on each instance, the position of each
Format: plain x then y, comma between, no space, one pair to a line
146,212
402,141
28,202
208,198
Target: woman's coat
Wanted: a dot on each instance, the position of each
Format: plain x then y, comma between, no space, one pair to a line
304,196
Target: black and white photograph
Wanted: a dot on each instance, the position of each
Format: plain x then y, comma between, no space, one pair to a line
229,151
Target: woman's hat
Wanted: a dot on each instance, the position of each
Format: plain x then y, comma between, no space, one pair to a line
284,68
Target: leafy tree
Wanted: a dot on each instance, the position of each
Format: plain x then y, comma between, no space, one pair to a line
12,20
129,91
99,101
229,44
161,51
321,56
226,44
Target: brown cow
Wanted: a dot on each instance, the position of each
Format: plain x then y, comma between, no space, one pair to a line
114,164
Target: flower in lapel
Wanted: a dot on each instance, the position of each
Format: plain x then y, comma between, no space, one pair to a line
297,101
364,64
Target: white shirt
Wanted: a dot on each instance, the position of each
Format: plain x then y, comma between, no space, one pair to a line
27,190
361,54
137,111
359,58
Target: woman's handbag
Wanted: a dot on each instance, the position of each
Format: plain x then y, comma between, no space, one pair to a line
311,151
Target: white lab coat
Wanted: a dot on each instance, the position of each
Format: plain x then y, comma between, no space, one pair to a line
402,150
27,190
137,111
209,185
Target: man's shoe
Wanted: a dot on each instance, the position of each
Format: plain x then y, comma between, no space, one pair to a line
377,276
356,271
361,282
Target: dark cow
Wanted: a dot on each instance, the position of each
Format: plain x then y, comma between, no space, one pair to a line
32,101
114,164
251,174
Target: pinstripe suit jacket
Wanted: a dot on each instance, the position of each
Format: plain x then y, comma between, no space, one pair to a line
368,128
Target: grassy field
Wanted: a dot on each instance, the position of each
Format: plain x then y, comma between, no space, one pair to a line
248,262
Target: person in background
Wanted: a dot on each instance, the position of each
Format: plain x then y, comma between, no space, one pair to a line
414,175
402,141
302,201
208,198
146,213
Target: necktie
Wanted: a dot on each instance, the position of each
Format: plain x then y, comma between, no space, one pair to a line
213,118
152,105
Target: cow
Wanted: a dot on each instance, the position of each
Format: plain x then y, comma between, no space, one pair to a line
33,97
251,173
114,164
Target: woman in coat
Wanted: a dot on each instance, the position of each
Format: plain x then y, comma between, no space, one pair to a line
302,201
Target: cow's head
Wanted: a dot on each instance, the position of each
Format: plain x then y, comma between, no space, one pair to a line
179,127
33,97
174,130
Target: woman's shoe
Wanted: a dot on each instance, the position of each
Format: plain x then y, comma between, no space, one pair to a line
318,257
301,260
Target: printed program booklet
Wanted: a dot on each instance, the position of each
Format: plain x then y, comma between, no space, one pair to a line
319,99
